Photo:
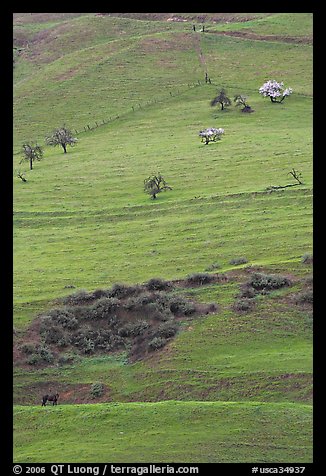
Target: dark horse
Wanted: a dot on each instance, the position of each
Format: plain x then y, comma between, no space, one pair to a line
51,398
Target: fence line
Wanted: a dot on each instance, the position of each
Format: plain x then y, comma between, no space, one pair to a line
90,127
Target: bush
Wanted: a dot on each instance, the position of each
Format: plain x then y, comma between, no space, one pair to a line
28,348
305,297
266,282
213,266
200,279
247,291
100,293
63,316
97,390
236,261
116,342
101,338
120,290
163,314
243,305
103,308
133,329
79,297
157,284
53,335
178,305
157,343
137,303
167,330
41,354
84,340
66,359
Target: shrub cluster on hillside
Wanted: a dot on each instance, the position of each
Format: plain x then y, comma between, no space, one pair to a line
137,319
258,283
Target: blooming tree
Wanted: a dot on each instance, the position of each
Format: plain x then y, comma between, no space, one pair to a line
61,136
211,134
275,91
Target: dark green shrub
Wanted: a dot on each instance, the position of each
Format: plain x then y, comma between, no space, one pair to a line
63,316
42,354
113,321
236,261
79,297
267,282
200,279
83,339
157,284
247,291
120,290
157,343
116,342
81,313
133,329
87,345
64,341
244,305
213,266
179,305
97,390
28,348
100,293
101,338
34,359
167,330
305,297
136,303
103,308
163,315
66,359
53,334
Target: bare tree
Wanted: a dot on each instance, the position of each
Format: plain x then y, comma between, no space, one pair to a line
241,100
295,174
61,136
31,152
222,99
155,184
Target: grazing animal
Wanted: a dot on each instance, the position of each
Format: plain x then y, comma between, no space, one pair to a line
51,398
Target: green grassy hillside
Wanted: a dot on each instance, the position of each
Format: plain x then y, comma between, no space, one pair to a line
172,432
83,221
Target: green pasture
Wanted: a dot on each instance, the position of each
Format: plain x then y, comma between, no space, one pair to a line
111,71
172,432
284,25
264,355
82,207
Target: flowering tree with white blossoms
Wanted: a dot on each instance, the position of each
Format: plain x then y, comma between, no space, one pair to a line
211,134
275,91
